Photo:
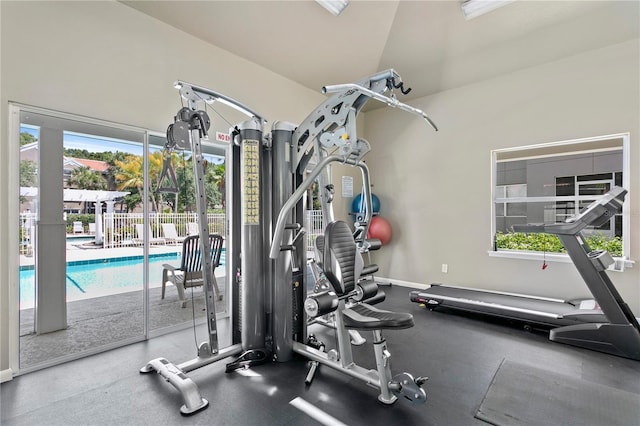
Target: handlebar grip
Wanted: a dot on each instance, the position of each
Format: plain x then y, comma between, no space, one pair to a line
369,269
374,243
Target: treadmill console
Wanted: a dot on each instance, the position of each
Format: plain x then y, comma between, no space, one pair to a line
596,214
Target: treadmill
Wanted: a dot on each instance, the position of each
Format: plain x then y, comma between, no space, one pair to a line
605,323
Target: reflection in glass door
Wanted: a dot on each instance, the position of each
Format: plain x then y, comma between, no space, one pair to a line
172,218
81,283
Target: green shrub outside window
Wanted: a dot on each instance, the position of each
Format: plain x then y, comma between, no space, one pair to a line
551,243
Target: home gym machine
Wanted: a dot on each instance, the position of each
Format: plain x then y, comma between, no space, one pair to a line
326,136
272,173
190,127
611,329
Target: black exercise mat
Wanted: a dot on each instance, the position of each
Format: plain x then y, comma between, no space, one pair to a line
524,395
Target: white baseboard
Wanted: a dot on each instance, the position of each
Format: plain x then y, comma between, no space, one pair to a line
6,375
409,284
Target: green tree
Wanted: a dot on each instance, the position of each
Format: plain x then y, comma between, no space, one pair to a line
113,169
156,161
130,175
186,190
176,201
85,178
131,200
28,177
214,178
26,138
219,180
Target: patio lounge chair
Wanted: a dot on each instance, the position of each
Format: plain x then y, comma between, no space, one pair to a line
192,228
152,239
92,228
170,234
78,228
189,274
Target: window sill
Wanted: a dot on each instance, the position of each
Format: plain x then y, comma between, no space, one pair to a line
619,266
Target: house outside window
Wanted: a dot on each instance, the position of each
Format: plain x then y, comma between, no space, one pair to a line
550,183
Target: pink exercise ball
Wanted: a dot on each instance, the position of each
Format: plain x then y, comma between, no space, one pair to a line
379,228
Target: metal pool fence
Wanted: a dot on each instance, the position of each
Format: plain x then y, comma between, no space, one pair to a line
119,229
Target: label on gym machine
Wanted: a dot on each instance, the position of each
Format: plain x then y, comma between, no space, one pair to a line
251,179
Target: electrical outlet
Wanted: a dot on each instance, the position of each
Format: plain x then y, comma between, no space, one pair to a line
445,268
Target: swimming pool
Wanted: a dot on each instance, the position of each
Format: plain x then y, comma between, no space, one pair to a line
80,238
102,277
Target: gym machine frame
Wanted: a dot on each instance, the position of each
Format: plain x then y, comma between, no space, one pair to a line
269,173
190,126
332,126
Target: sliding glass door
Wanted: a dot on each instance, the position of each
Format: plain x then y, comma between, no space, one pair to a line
78,293
103,212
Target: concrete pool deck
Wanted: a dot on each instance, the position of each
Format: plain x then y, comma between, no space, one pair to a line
94,322
106,320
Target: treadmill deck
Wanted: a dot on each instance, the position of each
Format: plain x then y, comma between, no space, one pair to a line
549,312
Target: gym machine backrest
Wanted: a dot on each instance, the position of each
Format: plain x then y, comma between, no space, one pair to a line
343,265
367,270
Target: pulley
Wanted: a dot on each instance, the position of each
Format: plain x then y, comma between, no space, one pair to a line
178,135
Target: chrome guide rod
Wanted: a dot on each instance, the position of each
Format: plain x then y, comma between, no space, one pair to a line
203,228
293,199
392,102
191,93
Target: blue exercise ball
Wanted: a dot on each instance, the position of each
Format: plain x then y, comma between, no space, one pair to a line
358,205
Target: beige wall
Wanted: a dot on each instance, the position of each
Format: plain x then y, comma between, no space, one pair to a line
435,187
108,61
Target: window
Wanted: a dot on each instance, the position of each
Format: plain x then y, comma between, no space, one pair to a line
549,183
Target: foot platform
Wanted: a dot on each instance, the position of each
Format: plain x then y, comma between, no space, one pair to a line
193,401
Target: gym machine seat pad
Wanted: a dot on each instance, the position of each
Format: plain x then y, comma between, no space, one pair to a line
366,317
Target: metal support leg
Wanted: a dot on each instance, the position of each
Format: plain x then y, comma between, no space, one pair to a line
383,366
344,342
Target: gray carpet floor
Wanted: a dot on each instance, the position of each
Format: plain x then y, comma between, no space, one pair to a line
530,396
459,353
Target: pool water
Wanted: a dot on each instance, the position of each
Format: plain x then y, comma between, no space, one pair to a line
80,239
102,278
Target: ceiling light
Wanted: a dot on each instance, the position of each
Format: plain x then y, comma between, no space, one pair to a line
334,6
474,8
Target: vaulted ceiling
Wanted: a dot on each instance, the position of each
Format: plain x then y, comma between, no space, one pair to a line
429,43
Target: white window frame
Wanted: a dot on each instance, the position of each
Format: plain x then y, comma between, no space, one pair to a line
580,147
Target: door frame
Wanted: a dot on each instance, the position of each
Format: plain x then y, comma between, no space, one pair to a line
13,259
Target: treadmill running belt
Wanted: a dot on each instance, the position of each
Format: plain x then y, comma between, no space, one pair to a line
539,311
